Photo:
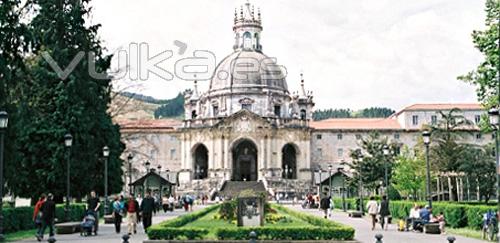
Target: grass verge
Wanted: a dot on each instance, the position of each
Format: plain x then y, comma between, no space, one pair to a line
20,235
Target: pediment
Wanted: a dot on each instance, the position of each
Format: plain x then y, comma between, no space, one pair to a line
244,121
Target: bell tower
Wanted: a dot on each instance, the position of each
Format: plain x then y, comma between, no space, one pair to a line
247,29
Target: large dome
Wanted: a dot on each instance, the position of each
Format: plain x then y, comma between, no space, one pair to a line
248,70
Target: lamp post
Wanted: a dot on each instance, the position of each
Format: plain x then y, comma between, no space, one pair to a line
129,158
426,135
341,171
330,180
4,120
319,188
105,153
360,184
385,149
68,142
147,164
159,169
494,122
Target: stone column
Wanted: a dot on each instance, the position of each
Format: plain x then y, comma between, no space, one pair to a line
261,160
226,156
269,153
183,152
211,158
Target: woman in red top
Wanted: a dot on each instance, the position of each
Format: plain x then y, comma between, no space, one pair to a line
37,217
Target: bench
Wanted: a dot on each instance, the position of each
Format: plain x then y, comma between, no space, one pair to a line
432,228
108,219
67,228
355,214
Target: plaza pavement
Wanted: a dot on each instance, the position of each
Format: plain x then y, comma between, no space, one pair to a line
107,231
392,235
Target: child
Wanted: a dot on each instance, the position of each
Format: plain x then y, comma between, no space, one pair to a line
442,222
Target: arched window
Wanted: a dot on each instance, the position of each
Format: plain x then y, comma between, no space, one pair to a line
289,162
303,115
257,41
193,114
200,156
247,40
237,40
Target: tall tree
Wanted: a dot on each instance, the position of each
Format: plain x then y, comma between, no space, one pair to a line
409,174
57,105
478,164
486,77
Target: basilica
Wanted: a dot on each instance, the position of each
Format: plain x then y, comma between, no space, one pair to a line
248,126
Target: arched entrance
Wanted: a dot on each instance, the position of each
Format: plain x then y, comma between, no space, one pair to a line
244,161
200,157
289,161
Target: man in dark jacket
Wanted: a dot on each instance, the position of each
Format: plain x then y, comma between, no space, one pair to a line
48,210
147,208
324,204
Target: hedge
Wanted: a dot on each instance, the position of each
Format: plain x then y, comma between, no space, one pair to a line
285,233
170,229
21,218
456,215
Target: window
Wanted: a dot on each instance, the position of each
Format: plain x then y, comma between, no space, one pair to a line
414,120
193,115
246,106
434,119
319,136
303,114
358,136
396,135
340,152
479,136
493,136
216,110
319,151
172,153
247,40
277,110
477,119
397,150
339,136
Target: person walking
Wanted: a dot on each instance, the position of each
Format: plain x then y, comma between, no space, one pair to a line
117,214
147,209
372,208
384,213
132,207
37,214
48,210
93,205
325,205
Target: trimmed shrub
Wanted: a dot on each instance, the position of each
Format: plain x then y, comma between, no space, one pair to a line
21,218
285,233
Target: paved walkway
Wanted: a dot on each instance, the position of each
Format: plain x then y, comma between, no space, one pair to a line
107,231
366,235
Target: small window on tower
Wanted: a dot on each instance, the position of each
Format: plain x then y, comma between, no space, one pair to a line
216,110
246,106
302,114
277,110
193,115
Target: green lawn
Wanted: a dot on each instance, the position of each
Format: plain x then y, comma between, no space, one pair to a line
20,235
467,232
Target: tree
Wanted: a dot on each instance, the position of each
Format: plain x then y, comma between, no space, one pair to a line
374,112
409,174
478,164
371,167
445,151
53,106
173,108
486,77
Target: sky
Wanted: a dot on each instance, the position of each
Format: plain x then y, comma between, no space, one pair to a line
353,54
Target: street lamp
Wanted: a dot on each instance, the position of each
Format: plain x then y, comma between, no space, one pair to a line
68,142
330,181
159,169
360,184
320,181
494,122
129,158
341,171
105,153
4,120
385,149
426,136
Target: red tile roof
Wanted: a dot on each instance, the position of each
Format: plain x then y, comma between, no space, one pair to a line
357,124
149,124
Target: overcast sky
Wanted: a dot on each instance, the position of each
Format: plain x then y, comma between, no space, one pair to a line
354,54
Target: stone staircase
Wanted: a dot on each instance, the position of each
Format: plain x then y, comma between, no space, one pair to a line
231,189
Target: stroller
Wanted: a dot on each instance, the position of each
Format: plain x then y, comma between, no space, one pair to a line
88,224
